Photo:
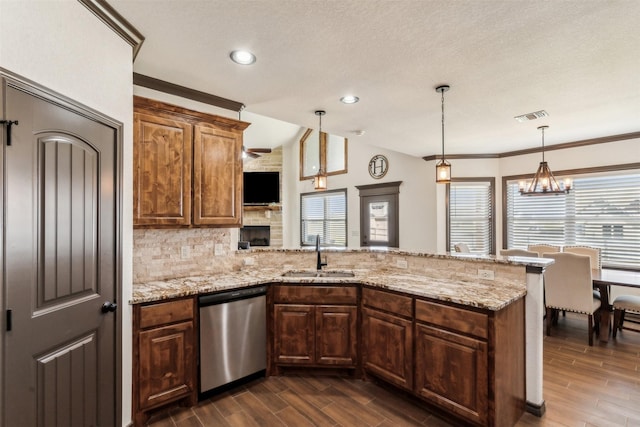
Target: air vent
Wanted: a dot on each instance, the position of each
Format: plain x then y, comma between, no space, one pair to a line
531,116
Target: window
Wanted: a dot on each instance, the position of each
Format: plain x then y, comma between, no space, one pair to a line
601,211
328,153
324,214
470,214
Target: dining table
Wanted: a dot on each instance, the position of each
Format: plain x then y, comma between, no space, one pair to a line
603,279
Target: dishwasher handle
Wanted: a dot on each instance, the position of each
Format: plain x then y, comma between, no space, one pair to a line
236,294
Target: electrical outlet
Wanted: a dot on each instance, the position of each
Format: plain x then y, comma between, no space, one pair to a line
402,263
185,251
485,274
217,249
249,261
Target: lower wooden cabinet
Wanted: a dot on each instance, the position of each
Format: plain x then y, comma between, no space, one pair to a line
451,372
164,356
320,334
387,347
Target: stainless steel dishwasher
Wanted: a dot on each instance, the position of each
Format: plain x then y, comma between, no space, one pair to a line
233,336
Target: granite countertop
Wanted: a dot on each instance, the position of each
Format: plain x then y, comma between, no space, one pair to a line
475,293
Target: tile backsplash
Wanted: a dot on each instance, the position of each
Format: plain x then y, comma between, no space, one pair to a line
166,253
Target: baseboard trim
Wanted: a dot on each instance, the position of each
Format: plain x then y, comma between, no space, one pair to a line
537,410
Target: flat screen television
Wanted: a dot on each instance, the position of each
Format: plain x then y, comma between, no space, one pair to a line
261,188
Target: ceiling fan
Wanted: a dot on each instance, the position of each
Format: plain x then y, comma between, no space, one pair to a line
254,153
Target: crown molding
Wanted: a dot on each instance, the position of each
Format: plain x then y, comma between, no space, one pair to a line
107,14
185,92
563,146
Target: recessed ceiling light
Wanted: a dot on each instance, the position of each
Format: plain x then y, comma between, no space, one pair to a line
349,99
242,57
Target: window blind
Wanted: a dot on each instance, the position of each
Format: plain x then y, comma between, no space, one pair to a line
324,214
600,211
471,216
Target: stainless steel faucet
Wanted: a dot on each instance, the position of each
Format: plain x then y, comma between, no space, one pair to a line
319,263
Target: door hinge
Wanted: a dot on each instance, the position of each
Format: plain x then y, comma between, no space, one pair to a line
9,320
9,123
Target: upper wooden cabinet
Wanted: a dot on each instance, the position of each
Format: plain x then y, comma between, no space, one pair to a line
187,167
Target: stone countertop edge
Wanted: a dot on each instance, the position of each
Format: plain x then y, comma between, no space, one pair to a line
496,259
490,296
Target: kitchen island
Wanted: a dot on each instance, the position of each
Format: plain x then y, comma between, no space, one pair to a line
463,347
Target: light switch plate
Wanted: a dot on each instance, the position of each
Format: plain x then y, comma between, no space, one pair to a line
185,251
217,249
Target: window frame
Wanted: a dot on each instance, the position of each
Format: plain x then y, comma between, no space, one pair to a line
610,169
492,221
323,147
346,217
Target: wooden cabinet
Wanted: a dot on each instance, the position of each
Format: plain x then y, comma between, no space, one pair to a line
315,326
387,336
471,363
468,362
451,372
187,167
164,356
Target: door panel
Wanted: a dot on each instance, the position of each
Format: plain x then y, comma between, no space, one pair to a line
60,184
379,220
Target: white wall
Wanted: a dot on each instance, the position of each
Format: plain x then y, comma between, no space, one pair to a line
417,197
422,201
61,45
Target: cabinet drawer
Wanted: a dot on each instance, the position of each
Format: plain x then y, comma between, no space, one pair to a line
465,321
315,294
166,312
387,301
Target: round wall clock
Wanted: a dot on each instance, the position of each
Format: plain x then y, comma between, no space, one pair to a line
378,166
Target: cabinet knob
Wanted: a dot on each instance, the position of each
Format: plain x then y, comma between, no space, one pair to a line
109,307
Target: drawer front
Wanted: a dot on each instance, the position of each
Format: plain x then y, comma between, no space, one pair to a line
387,301
307,294
465,321
166,312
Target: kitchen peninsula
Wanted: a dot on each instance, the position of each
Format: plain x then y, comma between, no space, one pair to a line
458,341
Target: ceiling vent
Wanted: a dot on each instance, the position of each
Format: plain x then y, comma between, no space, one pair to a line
532,116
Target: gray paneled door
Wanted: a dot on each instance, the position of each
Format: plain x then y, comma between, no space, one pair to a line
60,246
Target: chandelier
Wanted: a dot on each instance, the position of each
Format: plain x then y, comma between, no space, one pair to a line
543,182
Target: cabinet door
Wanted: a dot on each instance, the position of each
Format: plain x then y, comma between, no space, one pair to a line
161,171
217,177
336,335
387,350
451,371
294,334
166,364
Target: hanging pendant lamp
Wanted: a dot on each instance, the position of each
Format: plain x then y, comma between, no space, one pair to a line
543,182
443,168
320,179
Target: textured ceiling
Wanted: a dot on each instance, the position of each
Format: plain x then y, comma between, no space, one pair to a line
578,60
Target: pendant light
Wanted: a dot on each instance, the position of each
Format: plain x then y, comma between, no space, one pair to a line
320,179
443,168
544,183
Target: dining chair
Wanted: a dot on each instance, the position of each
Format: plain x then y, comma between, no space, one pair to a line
569,286
461,247
592,252
518,252
621,305
543,248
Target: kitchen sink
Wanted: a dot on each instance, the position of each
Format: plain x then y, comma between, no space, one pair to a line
325,274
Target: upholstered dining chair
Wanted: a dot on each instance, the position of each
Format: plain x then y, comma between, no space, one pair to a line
461,247
590,251
568,286
543,248
621,305
596,261
518,252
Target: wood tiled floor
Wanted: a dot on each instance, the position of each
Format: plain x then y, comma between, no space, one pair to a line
583,386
